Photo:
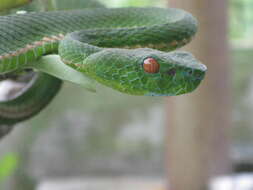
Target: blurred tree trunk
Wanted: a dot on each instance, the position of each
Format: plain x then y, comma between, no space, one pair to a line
198,131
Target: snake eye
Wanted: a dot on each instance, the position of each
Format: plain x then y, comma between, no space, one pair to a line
150,65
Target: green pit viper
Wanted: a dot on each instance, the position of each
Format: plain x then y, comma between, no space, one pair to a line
126,49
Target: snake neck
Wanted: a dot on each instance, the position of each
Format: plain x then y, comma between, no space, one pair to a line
72,48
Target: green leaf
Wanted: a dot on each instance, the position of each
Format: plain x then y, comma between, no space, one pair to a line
7,165
8,4
53,65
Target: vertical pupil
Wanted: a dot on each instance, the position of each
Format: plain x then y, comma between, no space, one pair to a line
150,65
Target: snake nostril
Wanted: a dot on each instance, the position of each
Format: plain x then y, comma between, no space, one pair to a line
171,72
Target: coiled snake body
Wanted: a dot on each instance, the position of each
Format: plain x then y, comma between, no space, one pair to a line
111,46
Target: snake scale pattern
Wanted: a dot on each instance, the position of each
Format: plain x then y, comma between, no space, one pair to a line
127,49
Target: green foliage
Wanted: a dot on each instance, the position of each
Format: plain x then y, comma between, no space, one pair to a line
77,4
127,3
138,3
8,4
241,19
8,164
49,5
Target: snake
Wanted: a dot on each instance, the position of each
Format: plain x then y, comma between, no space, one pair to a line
127,49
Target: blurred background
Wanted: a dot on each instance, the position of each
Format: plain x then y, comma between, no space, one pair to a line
109,140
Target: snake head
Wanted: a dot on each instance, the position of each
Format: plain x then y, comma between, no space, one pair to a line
145,71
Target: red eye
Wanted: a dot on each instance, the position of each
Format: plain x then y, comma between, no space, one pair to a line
150,65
